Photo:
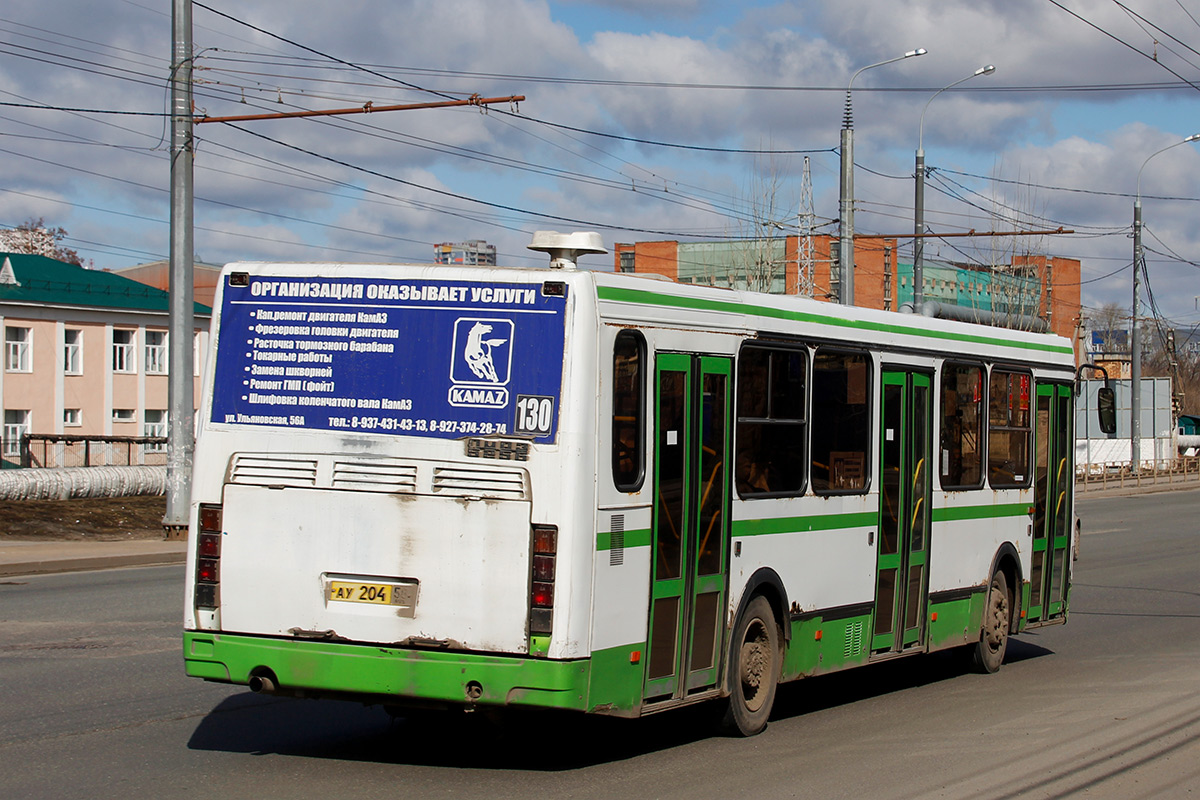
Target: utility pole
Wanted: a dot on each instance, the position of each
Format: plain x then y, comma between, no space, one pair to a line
181,320
846,198
181,324
1135,337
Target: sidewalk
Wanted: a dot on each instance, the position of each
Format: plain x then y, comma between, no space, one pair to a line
37,558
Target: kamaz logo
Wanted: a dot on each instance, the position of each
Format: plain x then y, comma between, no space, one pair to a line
477,397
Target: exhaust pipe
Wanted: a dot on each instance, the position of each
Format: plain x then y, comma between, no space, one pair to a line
262,684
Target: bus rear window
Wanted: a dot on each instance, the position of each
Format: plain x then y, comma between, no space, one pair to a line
628,423
841,422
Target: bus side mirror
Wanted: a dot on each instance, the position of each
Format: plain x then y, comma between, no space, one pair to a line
1106,408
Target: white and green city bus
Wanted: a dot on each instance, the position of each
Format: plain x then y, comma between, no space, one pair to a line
557,488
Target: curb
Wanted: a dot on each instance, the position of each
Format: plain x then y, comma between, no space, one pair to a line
1133,491
54,565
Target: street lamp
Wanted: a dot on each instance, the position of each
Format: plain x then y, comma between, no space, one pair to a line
1135,339
919,204
846,202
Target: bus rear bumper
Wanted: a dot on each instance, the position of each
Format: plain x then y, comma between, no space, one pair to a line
374,673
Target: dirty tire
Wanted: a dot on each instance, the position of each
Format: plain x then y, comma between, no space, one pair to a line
754,663
988,654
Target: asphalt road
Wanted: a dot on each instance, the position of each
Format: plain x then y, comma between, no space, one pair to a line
93,703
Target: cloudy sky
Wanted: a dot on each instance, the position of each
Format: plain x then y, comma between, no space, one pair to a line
643,119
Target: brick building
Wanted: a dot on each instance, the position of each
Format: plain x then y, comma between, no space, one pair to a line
1038,286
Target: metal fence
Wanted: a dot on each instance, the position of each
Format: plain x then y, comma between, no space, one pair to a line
1180,470
75,450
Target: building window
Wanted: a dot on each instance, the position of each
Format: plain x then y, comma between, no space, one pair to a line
841,429
771,421
627,260
73,351
18,342
155,424
1008,429
16,425
124,415
156,352
72,417
962,426
122,351
629,404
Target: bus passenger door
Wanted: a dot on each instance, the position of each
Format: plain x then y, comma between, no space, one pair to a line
1053,474
691,523
904,495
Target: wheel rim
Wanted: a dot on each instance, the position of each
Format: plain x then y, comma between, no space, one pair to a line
755,665
997,629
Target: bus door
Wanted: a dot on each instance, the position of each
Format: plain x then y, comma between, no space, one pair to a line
691,523
1053,474
904,495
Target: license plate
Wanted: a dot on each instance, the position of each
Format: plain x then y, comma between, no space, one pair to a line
401,596
351,592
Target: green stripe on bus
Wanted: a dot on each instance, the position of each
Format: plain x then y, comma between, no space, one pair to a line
814,522
638,538
981,512
644,297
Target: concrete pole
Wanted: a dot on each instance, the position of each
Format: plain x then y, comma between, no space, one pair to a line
919,204
846,200
919,231
182,318
1135,337
846,215
1135,349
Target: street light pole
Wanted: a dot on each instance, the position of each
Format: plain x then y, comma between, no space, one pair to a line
181,319
1135,338
919,199
846,201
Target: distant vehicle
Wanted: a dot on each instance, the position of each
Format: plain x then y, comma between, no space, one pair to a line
556,488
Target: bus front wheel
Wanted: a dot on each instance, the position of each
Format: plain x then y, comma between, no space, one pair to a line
988,653
754,664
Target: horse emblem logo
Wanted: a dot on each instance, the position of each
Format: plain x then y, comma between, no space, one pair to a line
478,352
481,362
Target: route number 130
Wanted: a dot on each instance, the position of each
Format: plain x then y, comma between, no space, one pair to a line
535,414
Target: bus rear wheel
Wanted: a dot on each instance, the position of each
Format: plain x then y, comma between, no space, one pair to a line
988,653
754,664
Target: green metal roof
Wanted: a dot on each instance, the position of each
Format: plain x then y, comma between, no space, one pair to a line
48,281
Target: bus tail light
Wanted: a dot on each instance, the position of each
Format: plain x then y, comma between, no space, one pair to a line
542,572
208,552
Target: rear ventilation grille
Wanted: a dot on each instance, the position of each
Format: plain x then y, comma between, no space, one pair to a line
384,475
274,471
370,476
472,482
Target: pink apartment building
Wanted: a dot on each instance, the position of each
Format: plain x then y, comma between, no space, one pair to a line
85,353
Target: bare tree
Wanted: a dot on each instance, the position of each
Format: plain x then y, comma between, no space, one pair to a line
34,238
754,255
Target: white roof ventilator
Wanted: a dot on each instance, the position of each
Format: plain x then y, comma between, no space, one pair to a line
566,248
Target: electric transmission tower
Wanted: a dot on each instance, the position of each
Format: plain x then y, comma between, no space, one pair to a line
804,257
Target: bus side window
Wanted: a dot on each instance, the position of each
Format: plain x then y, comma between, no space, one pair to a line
771,421
1009,429
628,409
962,426
841,422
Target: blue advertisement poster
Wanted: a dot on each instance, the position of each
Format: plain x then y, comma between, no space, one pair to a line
445,359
